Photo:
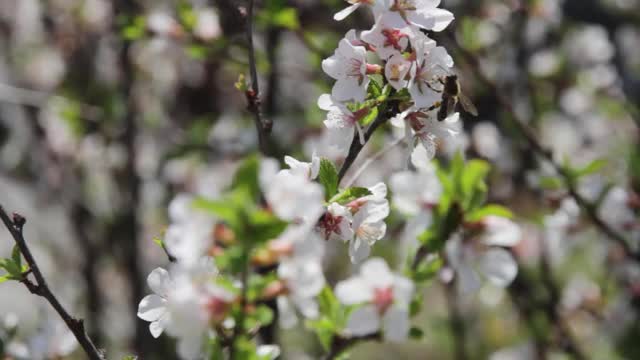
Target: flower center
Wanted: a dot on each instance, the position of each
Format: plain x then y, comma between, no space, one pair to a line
331,224
403,5
393,37
383,299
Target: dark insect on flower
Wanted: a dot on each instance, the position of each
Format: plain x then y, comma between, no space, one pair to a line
452,95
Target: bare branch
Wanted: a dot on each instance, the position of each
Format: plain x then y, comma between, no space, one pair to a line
356,146
15,226
263,126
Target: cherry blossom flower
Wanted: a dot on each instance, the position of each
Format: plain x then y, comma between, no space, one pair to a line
424,129
431,65
188,238
336,223
290,193
377,5
384,298
397,71
484,257
303,280
368,222
421,13
416,191
341,123
184,304
307,169
348,66
387,40
299,250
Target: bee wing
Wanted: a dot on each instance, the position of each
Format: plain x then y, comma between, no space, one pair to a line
467,105
451,105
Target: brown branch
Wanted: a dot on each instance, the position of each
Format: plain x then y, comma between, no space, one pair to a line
15,226
356,146
529,135
263,126
341,343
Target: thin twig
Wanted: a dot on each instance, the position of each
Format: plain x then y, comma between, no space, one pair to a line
15,226
370,160
341,343
529,135
356,145
263,126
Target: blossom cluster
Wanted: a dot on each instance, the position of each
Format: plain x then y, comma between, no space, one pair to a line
264,238
411,68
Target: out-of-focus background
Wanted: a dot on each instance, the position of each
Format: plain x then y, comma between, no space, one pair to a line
109,108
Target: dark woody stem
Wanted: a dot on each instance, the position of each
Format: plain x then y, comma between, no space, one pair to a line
41,288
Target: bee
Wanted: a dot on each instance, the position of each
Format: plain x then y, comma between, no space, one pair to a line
452,95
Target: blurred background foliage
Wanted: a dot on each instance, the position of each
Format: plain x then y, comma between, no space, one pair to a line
109,108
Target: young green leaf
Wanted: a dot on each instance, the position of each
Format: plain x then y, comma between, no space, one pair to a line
328,178
487,210
349,194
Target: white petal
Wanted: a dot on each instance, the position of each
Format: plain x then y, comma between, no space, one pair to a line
467,279
156,329
333,67
271,352
421,159
429,146
358,250
499,267
376,272
340,15
286,314
442,19
364,321
151,307
190,347
501,231
402,290
325,102
396,324
307,306
353,291
349,89
159,280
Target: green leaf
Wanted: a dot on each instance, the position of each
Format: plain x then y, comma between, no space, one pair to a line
349,194
471,181
264,315
286,18
15,256
374,88
416,333
246,177
325,330
265,226
416,304
428,269
135,29
222,209
371,115
551,183
328,178
588,169
487,210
